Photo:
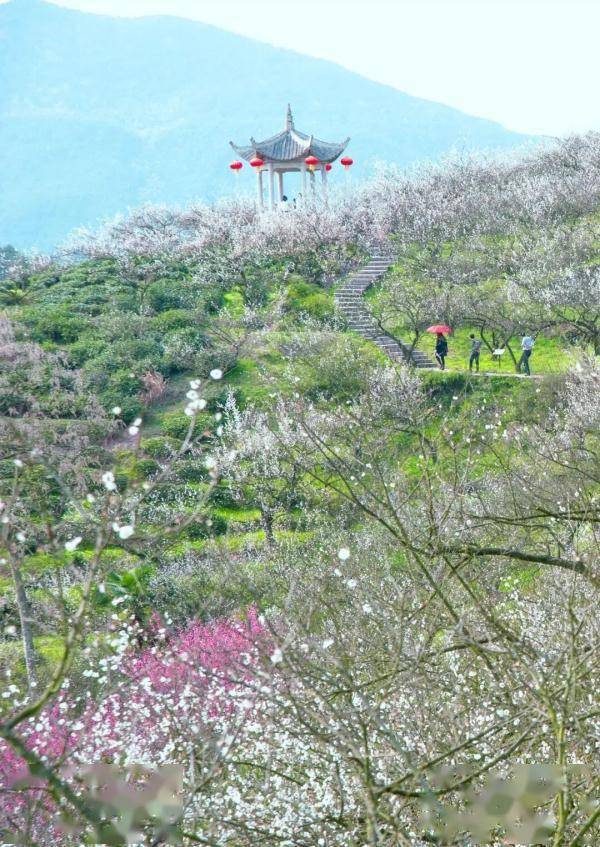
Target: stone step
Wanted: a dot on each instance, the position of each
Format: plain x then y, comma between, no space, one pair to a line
365,277
349,300
416,354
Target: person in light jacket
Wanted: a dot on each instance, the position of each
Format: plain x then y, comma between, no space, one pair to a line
527,348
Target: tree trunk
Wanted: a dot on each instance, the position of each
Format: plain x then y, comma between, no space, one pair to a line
267,522
26,629
513,357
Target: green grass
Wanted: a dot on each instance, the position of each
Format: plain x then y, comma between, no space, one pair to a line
50,648
234,515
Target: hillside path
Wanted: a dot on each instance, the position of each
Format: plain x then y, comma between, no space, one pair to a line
350,302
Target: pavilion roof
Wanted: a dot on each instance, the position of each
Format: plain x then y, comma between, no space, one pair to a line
291,145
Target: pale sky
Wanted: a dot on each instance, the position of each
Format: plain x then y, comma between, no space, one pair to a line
532,65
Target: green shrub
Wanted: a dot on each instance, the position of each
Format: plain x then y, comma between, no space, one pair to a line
216,525
13,402
214,357
55,323
192,471
163,296
88,346
336,367
181,349
224,496
173,319
146,468
309,299
131,407
176,424
158,448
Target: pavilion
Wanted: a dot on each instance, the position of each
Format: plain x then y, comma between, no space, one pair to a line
287,152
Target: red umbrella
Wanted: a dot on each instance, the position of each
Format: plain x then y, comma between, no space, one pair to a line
440,328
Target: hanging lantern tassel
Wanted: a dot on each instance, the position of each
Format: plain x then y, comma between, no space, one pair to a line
328,167
347,162
312,163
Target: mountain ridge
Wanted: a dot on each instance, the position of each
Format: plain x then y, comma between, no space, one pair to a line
100,114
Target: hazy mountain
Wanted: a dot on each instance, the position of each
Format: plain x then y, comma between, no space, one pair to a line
99,114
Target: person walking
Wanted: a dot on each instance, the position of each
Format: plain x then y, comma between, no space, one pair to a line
475,352
441,350
527,348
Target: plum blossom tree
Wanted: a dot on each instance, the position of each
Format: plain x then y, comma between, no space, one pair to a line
253,462
431,636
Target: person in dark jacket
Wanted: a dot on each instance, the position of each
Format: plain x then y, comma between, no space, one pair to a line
441,350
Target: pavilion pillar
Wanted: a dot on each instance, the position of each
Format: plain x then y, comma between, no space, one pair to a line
271,185
280,179
303,170
325,187
259,188
313,182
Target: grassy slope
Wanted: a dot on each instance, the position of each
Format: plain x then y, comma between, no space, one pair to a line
262,374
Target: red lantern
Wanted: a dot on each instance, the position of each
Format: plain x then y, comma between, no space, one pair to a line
312,162
236,167
328,167
256,163
347,162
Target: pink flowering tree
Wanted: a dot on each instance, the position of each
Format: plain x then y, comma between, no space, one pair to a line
169,704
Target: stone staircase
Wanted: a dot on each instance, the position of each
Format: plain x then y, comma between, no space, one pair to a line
349,300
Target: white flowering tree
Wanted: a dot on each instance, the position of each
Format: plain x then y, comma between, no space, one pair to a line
424,666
